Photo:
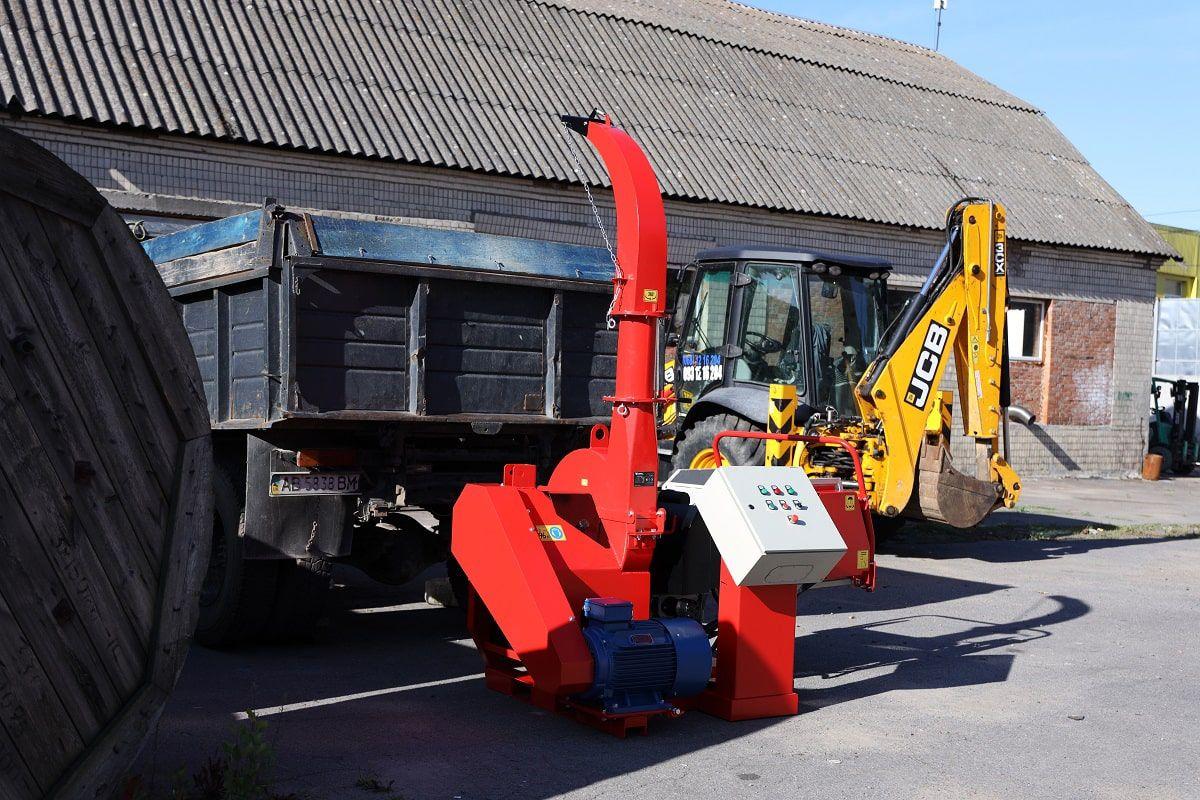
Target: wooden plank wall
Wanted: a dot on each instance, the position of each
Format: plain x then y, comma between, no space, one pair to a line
105,513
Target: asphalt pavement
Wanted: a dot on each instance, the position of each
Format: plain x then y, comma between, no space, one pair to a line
984,668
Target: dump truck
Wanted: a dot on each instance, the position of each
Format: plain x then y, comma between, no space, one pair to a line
358,374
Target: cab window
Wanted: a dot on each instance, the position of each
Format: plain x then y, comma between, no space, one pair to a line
848,320
702,335
771,333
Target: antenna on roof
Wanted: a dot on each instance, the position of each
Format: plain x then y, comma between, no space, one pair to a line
939,6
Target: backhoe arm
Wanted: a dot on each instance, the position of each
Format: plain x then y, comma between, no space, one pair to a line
959,312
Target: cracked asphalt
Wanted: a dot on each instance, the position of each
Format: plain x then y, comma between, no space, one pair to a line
1057,668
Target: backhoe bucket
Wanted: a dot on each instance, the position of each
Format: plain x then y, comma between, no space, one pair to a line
949,496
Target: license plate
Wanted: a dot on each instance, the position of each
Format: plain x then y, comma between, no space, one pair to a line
285,483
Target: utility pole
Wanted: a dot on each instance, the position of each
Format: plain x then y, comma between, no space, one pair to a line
939,6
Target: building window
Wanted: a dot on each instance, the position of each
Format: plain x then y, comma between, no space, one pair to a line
1174,287
1025,318
1024,323
897,299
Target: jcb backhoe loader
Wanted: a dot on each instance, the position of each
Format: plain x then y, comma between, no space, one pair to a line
751,317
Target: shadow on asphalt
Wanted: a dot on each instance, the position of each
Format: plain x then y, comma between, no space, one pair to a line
970,654
400,700
1007,550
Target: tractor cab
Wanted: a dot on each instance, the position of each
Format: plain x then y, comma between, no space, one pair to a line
747,317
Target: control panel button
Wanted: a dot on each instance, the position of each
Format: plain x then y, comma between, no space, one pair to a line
790,489
763,489
795,519
776,490
771,505
784,505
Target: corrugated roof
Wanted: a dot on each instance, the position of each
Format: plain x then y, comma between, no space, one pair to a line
734,105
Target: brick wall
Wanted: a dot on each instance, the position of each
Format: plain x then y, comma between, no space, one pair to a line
1077,380
152,173
1025,382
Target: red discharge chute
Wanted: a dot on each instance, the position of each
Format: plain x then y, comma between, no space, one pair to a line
534,554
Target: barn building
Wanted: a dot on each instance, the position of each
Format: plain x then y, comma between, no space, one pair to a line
763,128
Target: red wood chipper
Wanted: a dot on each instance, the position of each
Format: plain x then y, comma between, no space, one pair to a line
564,576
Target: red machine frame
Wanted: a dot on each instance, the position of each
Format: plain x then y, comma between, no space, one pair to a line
756,625
534,553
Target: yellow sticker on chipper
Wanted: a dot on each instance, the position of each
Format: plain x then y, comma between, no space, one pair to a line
650,295
864,559
551,533
849,502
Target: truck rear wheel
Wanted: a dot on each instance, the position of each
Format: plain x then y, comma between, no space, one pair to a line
300,598
694,448
237,593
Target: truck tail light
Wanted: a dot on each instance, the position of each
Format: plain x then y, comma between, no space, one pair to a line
326,458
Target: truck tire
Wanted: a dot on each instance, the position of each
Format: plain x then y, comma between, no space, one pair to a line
301,595
459,585
237,593
693,449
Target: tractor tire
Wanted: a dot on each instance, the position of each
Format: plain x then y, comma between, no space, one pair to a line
693,448
301,596
237,593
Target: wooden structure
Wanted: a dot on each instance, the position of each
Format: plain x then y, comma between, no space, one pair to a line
105,468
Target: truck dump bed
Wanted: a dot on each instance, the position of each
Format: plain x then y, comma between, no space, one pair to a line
308,317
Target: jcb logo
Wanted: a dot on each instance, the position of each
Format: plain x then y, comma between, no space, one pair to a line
927,365
1000,257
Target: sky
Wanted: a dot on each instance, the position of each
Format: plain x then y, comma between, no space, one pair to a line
1120,79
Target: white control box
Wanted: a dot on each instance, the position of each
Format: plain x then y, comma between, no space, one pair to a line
768,523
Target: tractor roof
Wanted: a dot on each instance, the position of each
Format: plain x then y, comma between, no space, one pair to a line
790,254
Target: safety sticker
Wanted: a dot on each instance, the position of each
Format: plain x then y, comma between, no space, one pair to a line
702,367
650,295
864,559
849,502
551,533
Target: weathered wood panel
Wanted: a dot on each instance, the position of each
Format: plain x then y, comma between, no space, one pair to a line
105,470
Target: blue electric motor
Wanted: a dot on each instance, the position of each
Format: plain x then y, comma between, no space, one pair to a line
639,665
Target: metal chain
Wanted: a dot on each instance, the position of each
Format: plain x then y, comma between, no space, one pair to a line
618,276
591,200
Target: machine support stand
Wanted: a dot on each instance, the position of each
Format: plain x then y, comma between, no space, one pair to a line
756,635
